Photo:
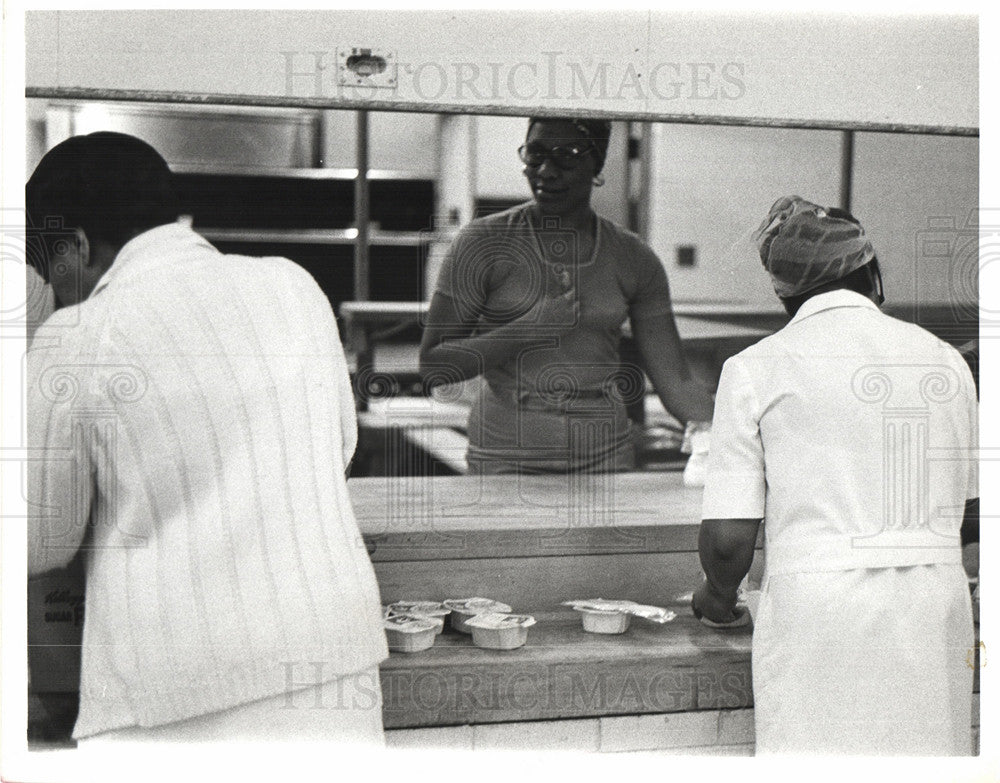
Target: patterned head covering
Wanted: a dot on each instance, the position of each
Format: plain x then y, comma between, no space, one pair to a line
803,246
597,132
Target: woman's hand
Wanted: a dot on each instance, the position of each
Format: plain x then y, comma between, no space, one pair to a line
709,604
452,350
558,313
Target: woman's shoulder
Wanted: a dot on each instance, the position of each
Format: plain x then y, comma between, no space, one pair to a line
515,217
630,245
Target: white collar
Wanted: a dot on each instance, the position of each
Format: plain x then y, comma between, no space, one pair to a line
146,245
831,299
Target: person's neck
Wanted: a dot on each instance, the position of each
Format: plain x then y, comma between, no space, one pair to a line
793,303
581,219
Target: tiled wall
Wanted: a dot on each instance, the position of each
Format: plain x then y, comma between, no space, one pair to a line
706,732
709,732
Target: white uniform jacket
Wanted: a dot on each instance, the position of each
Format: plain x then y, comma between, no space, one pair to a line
853,435
195,415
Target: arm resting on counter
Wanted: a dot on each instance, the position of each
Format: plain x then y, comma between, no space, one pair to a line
726,547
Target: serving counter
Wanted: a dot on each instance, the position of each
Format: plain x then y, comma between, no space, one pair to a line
533,542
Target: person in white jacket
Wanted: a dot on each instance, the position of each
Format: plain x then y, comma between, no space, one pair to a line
853,436
194,418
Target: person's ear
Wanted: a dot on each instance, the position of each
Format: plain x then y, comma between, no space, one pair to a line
82,246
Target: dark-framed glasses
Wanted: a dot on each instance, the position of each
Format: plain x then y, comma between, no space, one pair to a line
564,156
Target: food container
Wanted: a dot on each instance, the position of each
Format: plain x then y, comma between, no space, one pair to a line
498,631
409,634
463,609
600,615
437,621
423,608
604,621
434,611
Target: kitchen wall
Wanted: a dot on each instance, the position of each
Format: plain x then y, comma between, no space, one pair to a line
710,186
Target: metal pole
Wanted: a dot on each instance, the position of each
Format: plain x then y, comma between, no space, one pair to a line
362,202
846,169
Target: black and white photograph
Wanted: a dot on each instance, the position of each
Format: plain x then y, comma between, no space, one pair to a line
523,392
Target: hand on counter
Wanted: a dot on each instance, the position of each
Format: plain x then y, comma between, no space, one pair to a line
717,611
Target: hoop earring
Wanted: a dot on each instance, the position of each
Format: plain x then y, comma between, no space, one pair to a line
598,180
876,275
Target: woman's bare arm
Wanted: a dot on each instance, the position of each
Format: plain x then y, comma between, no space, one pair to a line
659,344
451,350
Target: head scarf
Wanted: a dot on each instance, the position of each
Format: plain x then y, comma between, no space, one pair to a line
597,132
804,246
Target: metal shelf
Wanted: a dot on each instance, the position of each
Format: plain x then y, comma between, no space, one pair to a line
342,236
347,175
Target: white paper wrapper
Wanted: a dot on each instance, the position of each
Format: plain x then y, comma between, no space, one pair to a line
656,614
697,437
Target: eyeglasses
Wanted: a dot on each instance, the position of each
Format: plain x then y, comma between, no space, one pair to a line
565,157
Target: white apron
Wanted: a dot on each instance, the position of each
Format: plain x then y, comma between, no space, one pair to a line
867,661
853,436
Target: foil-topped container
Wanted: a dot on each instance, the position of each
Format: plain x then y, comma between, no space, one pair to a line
434,611
601,615
463,609
409,634
500,631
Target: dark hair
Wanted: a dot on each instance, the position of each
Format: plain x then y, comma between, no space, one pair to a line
597,131
110,185
862,281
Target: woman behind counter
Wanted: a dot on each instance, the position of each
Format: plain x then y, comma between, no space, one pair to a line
533,299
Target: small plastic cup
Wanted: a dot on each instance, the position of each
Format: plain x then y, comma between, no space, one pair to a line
409,634
602,621
500,631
